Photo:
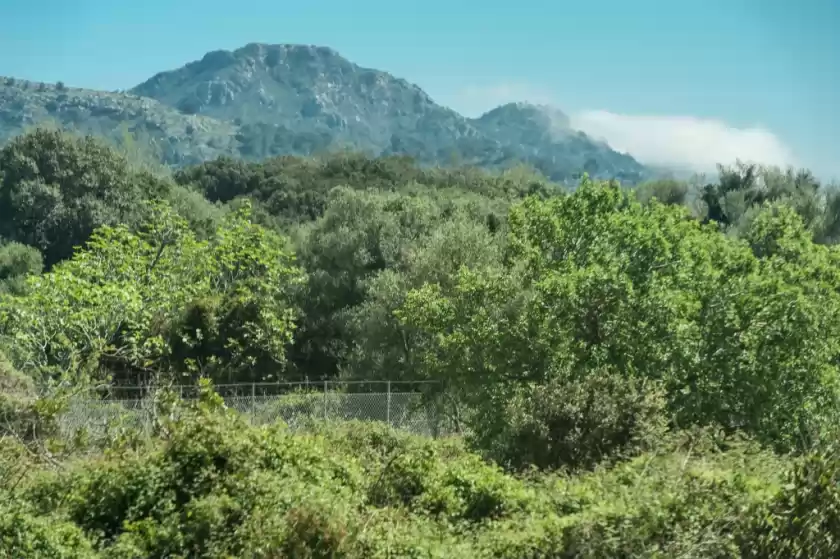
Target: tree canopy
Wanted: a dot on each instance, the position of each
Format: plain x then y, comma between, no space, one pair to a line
134,305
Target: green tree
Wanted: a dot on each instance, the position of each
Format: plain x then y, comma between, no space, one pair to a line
667,191
56,189
123,305
363,254
380,345
296,189
742,190
596,281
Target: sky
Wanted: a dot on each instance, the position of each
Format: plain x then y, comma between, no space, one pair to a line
685,83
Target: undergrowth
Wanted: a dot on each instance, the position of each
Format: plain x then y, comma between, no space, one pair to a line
208,484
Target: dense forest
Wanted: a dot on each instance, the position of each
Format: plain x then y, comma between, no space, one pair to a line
645,372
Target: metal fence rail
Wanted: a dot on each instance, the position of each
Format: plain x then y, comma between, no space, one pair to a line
296,404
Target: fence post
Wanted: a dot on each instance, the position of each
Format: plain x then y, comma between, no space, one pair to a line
325,400
253,401
388,407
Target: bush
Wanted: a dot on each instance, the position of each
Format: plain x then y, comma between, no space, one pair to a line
19,406
16,262
437,478
572,424
203,216
803,520
295,408
19,260
210,478
393,534
210,485
667,191
686,501
26,536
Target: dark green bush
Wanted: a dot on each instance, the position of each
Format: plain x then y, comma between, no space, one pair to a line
572,424
16,262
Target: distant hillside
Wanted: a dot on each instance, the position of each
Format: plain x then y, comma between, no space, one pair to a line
173,137
266,100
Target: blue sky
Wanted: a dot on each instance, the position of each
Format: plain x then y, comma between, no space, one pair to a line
685,82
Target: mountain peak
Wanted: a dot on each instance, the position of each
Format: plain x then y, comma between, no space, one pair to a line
266,55
524,113
284,49
525,123
221,75
306,88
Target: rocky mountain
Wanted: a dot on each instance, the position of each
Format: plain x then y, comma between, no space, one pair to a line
306,90
265,100
543,137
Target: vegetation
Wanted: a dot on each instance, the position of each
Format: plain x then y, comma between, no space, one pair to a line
630,373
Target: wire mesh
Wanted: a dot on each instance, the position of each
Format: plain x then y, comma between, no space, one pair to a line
402,405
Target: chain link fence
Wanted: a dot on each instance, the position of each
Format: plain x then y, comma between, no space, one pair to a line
402,405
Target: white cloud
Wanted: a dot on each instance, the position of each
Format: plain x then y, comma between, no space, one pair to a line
684,142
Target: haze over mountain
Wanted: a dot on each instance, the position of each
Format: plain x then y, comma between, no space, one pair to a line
263,100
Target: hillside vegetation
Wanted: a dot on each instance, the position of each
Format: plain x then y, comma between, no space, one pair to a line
628,373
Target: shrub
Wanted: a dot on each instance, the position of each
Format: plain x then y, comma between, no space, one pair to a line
211,482
667,191
572,424
429,477
297,408
23,415
803,520
210,485
24,536
686,501
391,534
19,260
